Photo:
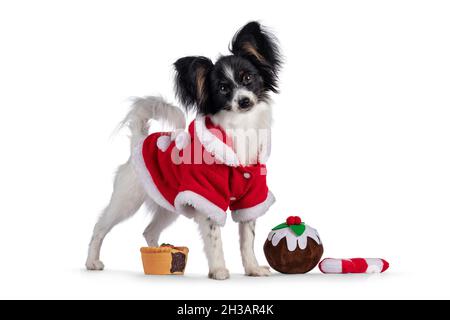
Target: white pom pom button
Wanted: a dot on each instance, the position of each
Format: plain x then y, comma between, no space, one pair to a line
182,140
163,143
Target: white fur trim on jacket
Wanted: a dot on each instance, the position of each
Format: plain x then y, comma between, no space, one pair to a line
250,214
220,150
146,179
188,203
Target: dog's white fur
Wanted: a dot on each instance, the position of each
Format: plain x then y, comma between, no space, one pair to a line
128,194
249,131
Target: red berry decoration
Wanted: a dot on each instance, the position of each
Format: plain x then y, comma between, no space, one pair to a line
290,221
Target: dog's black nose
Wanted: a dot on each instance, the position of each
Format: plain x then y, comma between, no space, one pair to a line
245,103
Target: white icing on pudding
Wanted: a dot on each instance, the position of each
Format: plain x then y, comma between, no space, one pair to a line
292,239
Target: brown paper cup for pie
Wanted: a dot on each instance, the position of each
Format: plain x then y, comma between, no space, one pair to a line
164,260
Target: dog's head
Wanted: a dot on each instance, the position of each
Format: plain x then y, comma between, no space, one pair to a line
235,83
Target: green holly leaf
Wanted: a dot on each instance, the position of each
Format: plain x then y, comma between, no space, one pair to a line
281,226
298,229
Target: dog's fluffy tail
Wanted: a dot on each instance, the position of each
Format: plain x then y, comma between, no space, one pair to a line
151,108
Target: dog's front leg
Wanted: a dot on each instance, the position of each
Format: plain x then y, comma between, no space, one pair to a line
212,239
247,240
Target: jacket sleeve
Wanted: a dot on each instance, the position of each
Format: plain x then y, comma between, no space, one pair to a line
252,198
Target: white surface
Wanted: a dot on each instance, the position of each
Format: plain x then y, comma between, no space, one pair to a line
365,87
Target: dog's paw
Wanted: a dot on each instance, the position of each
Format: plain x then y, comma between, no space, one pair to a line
258,271
94,265
219,274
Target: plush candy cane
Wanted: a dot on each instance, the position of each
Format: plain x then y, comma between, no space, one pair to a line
354,265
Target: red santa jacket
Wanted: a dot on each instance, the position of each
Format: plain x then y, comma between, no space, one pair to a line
198,171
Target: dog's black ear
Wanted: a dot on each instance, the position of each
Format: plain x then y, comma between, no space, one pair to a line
191,81
261,48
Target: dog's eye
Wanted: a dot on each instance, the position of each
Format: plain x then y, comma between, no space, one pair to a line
223,89
247,79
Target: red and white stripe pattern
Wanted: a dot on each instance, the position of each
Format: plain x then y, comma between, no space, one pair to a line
354,265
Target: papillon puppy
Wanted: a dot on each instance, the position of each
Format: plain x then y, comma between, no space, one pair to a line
231,95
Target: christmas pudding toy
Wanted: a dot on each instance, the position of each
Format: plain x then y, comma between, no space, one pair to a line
165,259
293,247
354,265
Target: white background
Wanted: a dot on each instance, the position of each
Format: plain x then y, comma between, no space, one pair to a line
361,142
